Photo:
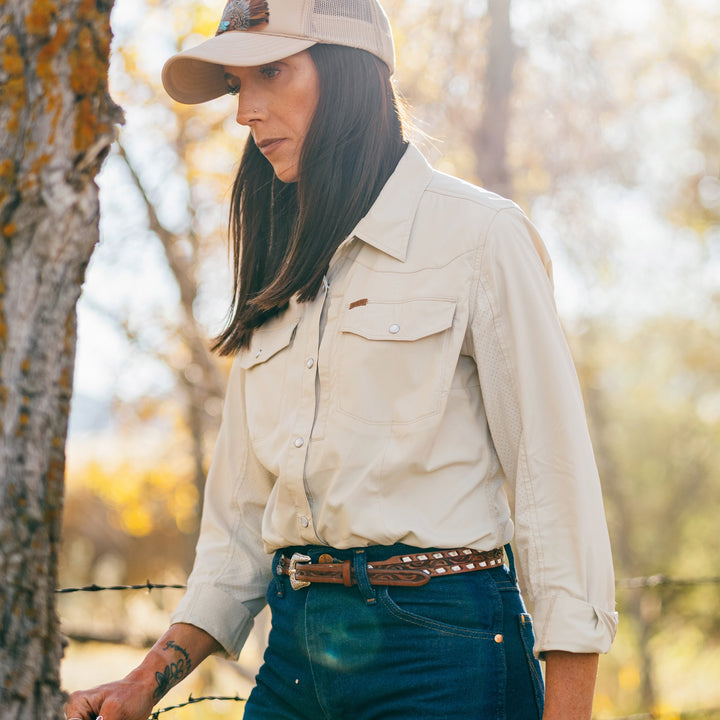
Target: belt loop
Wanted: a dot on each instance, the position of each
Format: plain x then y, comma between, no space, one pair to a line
511,562
347,577
277,582
361,576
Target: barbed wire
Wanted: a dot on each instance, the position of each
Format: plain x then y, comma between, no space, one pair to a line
651,581
660,580
97,588
191,701
671,715
634,583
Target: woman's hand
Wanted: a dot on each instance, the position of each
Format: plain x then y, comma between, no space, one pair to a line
178,652
122,700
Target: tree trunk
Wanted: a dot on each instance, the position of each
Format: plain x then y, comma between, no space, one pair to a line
491,137
56,125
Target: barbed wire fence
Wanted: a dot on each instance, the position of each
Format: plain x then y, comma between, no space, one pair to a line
626,583
147,585
660,580
634,583
691,715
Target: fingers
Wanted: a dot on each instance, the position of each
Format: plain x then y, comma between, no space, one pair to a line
84,705
121,700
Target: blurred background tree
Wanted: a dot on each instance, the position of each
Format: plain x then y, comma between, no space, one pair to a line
603,122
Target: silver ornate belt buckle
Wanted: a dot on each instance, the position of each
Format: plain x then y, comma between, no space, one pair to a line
296,584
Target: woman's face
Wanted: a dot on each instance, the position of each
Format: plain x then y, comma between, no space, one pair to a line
277,102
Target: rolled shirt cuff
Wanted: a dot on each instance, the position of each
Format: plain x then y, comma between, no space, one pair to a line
219,614
572,625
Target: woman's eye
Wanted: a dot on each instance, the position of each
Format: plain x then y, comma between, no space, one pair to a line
270,72
232,84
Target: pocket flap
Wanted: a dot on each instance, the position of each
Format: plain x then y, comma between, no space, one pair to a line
406,320
267,341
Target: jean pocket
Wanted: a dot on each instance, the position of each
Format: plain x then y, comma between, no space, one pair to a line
466,605
528,640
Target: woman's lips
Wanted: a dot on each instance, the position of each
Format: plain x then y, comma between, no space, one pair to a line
269,145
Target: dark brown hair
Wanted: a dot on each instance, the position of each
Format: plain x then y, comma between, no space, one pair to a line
284,235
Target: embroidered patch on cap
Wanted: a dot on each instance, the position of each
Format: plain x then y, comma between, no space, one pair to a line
243,14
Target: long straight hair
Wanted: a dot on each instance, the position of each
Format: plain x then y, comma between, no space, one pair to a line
283,236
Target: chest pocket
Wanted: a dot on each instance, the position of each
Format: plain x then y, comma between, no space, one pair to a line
266,363
393,365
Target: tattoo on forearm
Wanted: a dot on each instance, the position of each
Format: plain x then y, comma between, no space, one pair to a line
172,644
173,672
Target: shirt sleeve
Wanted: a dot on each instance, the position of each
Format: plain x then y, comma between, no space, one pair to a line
537,421
227,586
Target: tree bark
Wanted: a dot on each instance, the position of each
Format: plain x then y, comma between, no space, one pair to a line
56,125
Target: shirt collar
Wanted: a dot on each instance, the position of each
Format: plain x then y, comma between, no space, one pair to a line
389,221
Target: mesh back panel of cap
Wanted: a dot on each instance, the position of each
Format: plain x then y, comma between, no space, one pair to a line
355,9
348,22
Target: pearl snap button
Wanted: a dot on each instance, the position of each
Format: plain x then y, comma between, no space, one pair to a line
304,522
394,328
310,363
299,442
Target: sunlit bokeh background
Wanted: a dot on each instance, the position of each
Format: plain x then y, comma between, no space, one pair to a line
602,121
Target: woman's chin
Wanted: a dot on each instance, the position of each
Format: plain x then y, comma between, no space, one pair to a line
286,175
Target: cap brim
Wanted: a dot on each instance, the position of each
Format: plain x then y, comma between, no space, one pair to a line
196,75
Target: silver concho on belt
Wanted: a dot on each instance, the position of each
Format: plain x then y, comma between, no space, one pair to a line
243,14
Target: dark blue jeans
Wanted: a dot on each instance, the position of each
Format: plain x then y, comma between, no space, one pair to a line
458,647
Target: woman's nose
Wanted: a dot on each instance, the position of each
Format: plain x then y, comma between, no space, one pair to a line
249,109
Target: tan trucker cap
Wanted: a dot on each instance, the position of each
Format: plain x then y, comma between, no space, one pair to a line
255,32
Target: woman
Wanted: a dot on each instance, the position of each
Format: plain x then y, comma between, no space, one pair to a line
398,358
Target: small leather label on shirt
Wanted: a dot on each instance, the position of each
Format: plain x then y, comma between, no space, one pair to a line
358,303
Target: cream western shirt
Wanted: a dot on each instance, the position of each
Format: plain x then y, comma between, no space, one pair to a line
429,372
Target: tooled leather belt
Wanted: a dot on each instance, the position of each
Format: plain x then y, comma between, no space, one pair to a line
407,570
